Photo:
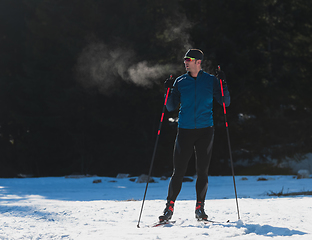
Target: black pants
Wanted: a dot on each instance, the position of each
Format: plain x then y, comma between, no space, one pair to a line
188,140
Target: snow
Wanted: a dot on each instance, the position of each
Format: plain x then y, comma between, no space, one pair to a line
77,208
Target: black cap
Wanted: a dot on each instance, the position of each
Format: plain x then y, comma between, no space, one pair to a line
194,53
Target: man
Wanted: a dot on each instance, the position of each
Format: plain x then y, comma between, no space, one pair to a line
194,91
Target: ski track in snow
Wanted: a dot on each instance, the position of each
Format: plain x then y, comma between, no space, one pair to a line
59,208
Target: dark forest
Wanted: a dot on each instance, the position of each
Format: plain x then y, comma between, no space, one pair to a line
81,82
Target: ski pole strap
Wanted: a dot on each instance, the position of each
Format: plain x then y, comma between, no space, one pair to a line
224,108
163,113
167,94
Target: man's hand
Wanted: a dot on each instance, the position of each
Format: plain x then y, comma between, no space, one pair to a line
221,75
169,82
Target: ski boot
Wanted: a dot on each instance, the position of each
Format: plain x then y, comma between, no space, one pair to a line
168,212
200,212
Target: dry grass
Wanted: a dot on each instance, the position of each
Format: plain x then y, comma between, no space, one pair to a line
282,194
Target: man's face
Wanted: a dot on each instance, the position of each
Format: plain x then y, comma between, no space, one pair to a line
190,64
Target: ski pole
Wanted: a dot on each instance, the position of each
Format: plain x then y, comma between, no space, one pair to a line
154,153
228,138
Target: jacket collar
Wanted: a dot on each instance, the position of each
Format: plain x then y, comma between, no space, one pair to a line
199,73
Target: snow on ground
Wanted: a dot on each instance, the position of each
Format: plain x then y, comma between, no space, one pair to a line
67,208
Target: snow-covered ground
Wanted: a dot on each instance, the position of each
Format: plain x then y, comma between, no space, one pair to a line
68,208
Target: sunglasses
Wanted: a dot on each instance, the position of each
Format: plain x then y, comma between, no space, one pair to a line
189,59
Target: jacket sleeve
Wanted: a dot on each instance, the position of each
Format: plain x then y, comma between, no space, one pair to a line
173,98
218,95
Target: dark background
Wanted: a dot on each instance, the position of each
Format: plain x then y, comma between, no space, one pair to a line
81,82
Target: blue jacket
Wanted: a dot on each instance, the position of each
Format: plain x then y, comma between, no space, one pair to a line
196,99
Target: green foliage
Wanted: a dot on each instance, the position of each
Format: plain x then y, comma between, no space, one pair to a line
55,119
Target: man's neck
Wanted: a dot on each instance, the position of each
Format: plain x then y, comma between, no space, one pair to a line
194,74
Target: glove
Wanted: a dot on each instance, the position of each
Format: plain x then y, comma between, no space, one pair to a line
221,75
169,83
